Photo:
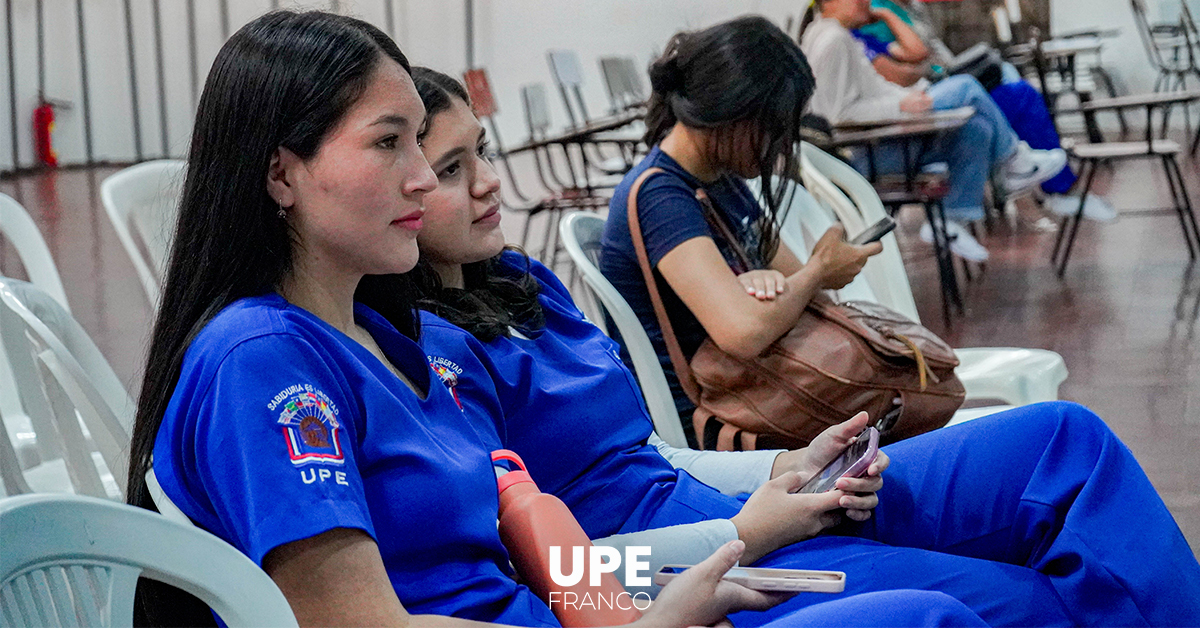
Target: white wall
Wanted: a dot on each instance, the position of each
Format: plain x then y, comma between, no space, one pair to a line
1124,56
512,37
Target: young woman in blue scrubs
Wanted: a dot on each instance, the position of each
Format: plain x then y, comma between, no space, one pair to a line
1038,516
308,429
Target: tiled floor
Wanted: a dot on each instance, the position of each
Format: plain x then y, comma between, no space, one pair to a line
1125,317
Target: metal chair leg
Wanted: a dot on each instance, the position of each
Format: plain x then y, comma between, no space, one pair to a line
1087,187
1187,203
525,228
1177,204
552,243
1183,205
547,253
1084,166
1062,231
947,277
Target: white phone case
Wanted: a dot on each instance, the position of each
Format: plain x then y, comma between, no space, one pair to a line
791,580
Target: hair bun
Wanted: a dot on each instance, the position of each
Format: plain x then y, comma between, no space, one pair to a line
665,75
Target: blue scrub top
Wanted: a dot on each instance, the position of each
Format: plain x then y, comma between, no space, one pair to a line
281,428
575,415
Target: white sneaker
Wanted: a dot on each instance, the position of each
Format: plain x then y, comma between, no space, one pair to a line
1094,208
1028,167
962,243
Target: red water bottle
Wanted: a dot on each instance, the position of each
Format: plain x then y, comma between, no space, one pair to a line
531,522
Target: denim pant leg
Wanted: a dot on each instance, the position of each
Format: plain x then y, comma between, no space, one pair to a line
967,171
964,91
968,168
971,152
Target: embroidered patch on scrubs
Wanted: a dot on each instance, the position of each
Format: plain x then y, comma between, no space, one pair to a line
449,372
310,425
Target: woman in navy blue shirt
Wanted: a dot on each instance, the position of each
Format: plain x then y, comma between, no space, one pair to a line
284,414
734,115
1028,517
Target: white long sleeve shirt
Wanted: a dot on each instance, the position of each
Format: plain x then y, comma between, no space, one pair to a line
848,87
727,471
731,472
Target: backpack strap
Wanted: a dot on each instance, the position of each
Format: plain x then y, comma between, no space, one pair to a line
683,371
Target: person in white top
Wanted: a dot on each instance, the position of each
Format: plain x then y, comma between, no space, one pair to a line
850,90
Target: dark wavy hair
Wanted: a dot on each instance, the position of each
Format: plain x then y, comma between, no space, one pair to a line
497,296
742,74
286,79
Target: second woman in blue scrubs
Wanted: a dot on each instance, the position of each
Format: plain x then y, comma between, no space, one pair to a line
1038,516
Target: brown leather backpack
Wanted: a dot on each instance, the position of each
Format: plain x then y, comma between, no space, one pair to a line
839,359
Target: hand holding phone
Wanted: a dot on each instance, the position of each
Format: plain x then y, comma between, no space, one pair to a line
758,579
853,463
875,232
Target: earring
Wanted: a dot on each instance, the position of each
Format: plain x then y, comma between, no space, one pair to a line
282,214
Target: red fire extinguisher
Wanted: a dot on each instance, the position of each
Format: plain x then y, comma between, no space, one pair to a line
43,127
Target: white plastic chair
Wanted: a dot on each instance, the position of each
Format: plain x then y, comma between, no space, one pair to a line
884,273
144,199
19,228
803,228
1014,375
75,561
580,233
77,408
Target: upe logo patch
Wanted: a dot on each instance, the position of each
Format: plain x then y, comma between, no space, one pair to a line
448,371
310,426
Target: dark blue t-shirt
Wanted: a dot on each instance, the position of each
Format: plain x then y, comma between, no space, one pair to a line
670,215
281,428
574,413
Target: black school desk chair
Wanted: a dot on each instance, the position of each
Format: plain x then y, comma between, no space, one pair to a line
1092,155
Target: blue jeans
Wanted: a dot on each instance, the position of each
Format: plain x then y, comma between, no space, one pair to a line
971,152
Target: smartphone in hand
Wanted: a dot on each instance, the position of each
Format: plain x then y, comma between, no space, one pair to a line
875,231
852,463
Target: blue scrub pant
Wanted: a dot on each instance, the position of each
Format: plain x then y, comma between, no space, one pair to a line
1026,112
885,608
1038,516
970,153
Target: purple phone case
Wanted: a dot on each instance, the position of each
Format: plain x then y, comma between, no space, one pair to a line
859,468
820,483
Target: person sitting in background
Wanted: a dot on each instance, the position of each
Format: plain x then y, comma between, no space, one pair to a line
903,47
905,59
850,90
915,19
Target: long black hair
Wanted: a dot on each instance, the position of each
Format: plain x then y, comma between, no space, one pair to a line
497,296
284,80
746,70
